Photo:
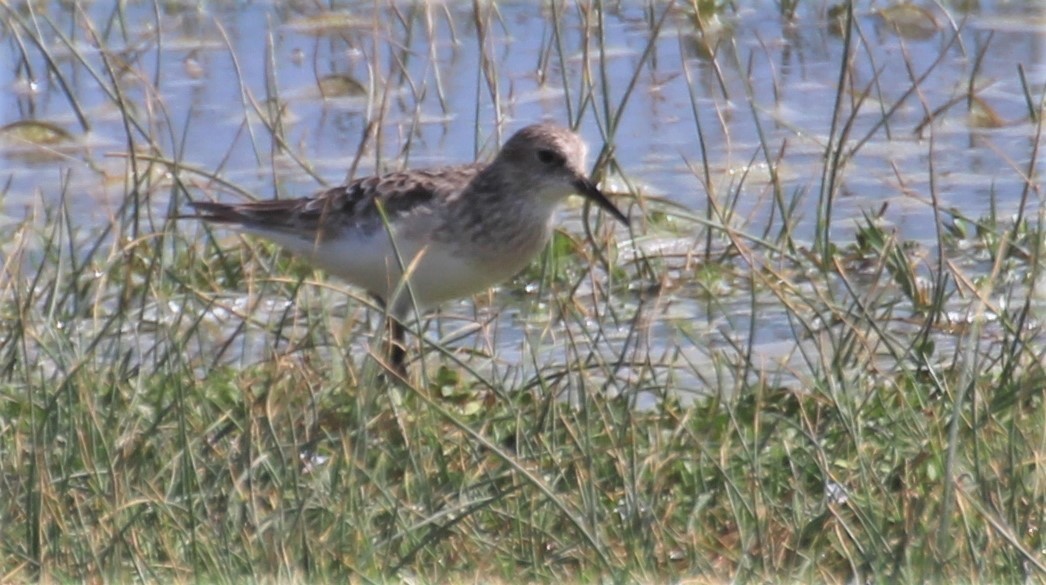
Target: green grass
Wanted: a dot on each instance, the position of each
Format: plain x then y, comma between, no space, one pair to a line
184,405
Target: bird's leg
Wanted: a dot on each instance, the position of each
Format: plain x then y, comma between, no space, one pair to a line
395,340
397,347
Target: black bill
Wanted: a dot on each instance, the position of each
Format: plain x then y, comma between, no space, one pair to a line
589,190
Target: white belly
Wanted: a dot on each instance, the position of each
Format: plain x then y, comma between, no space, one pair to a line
437,272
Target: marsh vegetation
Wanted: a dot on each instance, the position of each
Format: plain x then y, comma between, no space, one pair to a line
816,355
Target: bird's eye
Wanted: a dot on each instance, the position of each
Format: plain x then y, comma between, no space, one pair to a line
550,157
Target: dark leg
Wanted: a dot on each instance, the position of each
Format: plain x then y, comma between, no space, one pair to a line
397,347
395,341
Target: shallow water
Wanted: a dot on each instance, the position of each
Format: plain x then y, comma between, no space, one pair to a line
444,84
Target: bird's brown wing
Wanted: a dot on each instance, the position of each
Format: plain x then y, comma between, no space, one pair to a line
354,205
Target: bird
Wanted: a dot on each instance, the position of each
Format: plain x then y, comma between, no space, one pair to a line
416,238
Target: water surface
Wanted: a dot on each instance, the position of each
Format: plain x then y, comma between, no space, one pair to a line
232,90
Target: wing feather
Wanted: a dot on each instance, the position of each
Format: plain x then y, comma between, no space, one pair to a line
354,205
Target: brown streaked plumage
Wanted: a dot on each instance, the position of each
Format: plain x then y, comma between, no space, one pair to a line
453,230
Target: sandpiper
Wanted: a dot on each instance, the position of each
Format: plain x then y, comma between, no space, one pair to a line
453,231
